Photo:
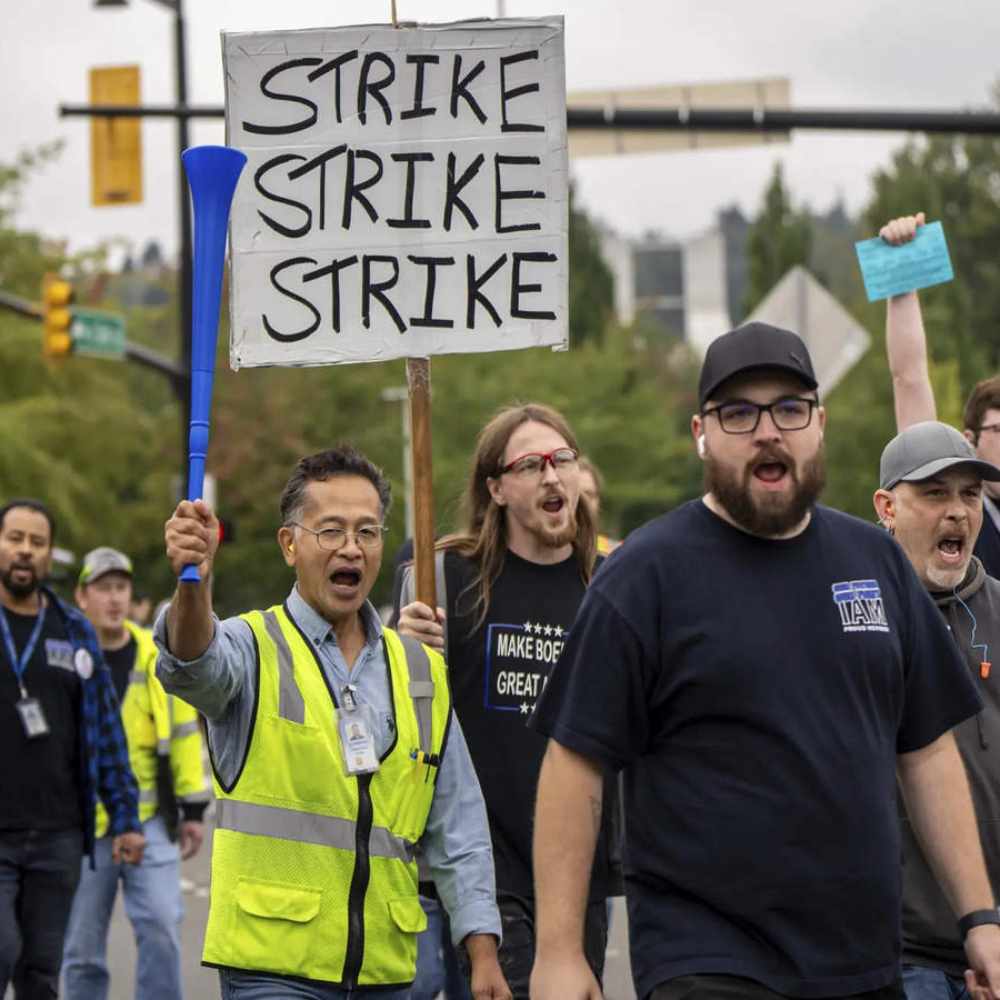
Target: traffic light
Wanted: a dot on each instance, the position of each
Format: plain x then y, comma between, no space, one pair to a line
57,317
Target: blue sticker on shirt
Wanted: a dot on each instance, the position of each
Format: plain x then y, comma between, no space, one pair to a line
860,605
59,653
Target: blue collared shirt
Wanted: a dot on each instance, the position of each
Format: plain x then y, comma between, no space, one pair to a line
221,685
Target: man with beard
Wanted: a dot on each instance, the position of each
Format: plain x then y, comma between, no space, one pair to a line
930,497
514,578
759,666
913,394
62,745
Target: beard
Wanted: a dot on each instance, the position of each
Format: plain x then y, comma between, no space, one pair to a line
556,538
17,589
772,514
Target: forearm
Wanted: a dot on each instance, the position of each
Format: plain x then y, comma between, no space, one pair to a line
567,823
939,805
190,625
906,348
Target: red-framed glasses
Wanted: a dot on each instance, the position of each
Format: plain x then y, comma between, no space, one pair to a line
534,462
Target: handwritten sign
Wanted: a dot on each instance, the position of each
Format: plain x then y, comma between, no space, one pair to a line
405,193
893,270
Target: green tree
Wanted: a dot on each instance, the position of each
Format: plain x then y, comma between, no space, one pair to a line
591,284
779,238
954,179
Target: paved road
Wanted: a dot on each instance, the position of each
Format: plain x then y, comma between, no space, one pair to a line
202,984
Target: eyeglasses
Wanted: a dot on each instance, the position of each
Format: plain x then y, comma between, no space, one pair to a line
333,539
533,464
791,413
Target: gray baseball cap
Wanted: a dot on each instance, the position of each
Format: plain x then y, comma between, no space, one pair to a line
924,450
99,562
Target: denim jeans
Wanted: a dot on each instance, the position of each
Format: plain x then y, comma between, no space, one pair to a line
239,985
922,983
152,893
39,870
437,963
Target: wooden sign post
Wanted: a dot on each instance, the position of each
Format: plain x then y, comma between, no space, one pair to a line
406,195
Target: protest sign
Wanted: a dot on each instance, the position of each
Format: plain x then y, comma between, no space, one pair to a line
405,193
889,270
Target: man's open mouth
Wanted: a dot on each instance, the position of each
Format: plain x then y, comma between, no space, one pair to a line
346,579
770,472
554,504
951,547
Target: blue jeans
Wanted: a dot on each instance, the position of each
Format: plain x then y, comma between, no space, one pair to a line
922,983
152,892
437,963
239,985
39,870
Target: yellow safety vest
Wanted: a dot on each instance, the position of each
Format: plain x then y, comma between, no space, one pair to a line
157,725
313,871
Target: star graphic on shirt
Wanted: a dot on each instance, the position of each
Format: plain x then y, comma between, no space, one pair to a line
558,631
548,630
528,627
525,708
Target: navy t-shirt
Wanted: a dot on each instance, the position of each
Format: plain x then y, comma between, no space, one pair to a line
757,692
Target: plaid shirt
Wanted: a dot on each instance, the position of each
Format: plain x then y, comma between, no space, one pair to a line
104,763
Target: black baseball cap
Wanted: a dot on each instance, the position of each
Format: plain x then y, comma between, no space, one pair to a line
750,347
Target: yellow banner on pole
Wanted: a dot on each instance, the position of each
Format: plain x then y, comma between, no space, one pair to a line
115,143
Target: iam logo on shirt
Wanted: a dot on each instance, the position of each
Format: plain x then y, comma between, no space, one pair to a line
859,603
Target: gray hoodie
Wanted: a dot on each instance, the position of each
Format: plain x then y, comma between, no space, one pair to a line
930,937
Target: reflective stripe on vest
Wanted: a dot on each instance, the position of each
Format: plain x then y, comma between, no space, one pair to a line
184,729
421,687
308,828
290,703
136,677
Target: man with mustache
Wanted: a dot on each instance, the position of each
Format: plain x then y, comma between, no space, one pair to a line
62,747
760,666
165,747
930,497
513,580
913,393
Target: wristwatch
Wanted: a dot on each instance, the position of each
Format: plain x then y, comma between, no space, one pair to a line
976,919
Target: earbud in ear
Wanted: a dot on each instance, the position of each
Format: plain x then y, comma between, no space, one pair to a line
701,445
291,547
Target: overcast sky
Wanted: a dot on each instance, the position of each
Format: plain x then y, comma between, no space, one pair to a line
852,53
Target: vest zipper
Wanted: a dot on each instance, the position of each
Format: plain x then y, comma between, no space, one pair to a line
359,884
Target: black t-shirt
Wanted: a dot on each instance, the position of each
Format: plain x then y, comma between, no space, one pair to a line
40,778
988,543
497,671
120,662
757,693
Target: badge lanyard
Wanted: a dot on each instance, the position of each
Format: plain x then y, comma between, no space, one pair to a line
19,665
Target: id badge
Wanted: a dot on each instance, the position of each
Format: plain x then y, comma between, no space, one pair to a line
357,742
32,718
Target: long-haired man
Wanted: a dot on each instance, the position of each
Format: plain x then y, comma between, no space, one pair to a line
513,578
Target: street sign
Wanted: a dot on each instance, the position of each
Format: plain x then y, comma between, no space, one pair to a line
98,334
115,143
766,94
836,340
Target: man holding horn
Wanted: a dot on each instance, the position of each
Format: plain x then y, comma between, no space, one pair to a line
335,751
